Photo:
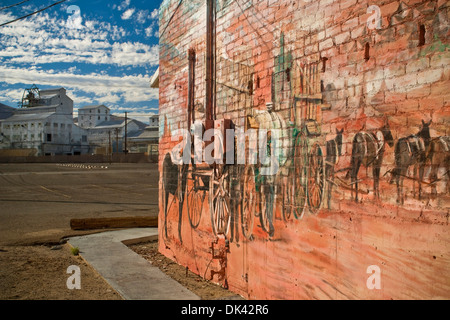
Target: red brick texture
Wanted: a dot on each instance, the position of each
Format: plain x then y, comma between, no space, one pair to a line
346,75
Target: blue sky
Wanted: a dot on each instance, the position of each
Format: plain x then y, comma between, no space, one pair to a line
102,52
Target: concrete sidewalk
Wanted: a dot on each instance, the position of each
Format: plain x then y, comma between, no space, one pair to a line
133,277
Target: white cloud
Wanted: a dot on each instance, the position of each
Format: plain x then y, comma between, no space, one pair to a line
124,4
97,43
27,47
104,88
108,98
154,14
141,16
149,31
6,16
134,54
11,95
127,14
77,98
138,95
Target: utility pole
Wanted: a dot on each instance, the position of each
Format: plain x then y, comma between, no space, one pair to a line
109,147
117,139
126,120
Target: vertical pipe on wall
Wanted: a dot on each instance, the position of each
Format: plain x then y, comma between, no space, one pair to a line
191,84
209,59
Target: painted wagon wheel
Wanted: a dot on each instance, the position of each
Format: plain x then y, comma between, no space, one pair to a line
299,177
266,197
248,206
219,200
266,204
285,198
195,197
316,178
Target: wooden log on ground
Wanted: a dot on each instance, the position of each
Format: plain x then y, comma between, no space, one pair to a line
113,222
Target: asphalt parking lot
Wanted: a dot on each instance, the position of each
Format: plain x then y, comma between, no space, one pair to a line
37,201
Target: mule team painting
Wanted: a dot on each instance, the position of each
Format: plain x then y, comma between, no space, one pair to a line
344,129
417,151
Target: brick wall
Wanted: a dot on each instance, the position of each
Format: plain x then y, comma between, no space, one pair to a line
334,66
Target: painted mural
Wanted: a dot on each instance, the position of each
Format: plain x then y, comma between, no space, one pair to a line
331,159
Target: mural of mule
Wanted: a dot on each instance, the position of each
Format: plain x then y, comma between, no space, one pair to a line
174,183
368,150
438,155
411,151
421,151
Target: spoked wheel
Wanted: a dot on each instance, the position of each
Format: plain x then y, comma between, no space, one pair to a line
219,200
266,202
248,206
298,179
316,179
195,197
286,205
284,199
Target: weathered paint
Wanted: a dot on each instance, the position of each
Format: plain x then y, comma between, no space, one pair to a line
371,78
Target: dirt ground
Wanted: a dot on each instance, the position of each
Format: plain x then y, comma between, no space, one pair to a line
39,272
37,202
205,289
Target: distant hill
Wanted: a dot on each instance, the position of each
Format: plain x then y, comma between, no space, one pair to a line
6,111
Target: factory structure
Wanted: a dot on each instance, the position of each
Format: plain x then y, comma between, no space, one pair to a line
44,125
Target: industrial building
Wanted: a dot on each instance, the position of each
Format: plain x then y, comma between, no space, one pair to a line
113,134
44,125
146,140
91,116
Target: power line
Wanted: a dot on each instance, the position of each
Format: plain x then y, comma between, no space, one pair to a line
173,14
13,5
30,14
